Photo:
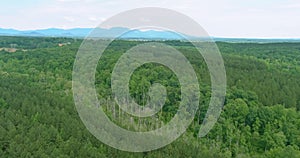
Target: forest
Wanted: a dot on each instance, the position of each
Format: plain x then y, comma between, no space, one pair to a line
260,117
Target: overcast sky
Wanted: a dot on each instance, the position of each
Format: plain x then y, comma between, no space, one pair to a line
221,18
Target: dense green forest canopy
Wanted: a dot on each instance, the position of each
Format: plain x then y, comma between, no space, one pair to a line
260,117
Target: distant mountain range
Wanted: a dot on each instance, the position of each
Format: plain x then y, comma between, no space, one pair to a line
130,34
99,32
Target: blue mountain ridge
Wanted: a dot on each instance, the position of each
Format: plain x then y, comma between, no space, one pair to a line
129,34
98,32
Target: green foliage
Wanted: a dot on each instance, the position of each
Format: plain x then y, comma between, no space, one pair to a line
260,118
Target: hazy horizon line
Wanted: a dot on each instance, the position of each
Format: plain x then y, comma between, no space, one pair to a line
212,36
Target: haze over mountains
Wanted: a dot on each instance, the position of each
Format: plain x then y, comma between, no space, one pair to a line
83,32
130,34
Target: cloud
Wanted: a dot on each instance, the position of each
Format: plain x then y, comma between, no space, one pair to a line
231,18
290,6
93,19
69,19
68,0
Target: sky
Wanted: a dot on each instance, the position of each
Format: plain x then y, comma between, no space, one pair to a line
220,18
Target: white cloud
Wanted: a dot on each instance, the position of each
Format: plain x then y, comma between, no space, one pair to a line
233,18
291,6
93,19
68,0
69,19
